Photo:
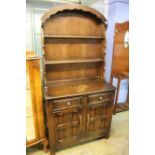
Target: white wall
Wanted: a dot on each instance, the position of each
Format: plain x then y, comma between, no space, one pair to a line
117,13
34,12
29,29
101,7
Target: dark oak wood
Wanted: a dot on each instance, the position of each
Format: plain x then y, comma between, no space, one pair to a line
120,60
73,61
71,8
79,102
81,87
74,37
120,63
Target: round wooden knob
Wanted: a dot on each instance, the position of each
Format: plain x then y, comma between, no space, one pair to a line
68,103
100,98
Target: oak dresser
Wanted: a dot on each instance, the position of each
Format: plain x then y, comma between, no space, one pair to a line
79,103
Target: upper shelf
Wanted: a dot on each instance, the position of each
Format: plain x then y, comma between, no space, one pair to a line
48,62
73,37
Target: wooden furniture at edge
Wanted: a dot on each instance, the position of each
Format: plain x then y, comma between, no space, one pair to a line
35,130
79,103
120,64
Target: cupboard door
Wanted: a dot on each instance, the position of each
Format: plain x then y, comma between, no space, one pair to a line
35,128
98,117
68,126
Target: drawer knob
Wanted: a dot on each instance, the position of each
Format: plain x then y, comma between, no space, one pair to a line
68,103
100,98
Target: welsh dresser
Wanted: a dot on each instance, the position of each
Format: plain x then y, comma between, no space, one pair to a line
79,103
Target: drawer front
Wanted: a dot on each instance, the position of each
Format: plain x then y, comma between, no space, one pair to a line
63,104
101,97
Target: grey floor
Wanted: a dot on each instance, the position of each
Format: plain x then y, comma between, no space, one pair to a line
117,144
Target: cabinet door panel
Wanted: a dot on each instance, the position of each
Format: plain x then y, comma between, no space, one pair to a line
98,118
68,126
35,129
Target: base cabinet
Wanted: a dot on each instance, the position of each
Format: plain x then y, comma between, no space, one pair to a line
78,119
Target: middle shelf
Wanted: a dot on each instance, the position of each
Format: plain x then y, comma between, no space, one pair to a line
72,37
48,62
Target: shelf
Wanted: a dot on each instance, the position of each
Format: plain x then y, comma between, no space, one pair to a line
48,62
73,37
57,82
122,107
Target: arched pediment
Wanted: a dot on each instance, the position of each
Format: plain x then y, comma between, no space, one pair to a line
64,8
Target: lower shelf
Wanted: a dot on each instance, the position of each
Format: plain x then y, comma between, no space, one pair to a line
56,62
122,107
44,141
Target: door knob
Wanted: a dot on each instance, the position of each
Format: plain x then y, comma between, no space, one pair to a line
68,103
100,98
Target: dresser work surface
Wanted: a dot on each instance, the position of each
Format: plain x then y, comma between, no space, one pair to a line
75,88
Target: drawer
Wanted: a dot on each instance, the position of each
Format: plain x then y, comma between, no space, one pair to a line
101,97
67,103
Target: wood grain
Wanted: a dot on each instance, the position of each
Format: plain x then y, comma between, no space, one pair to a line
34,86
120,62
120,59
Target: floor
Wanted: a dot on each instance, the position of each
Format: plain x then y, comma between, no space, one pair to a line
117,144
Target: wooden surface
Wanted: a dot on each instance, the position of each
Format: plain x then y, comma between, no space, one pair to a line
79,103
34,107
73,61
120,59
70,8
73,37
62,49
78,87
120,63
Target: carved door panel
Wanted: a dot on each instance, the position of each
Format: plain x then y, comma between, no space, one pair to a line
97,119
68,126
